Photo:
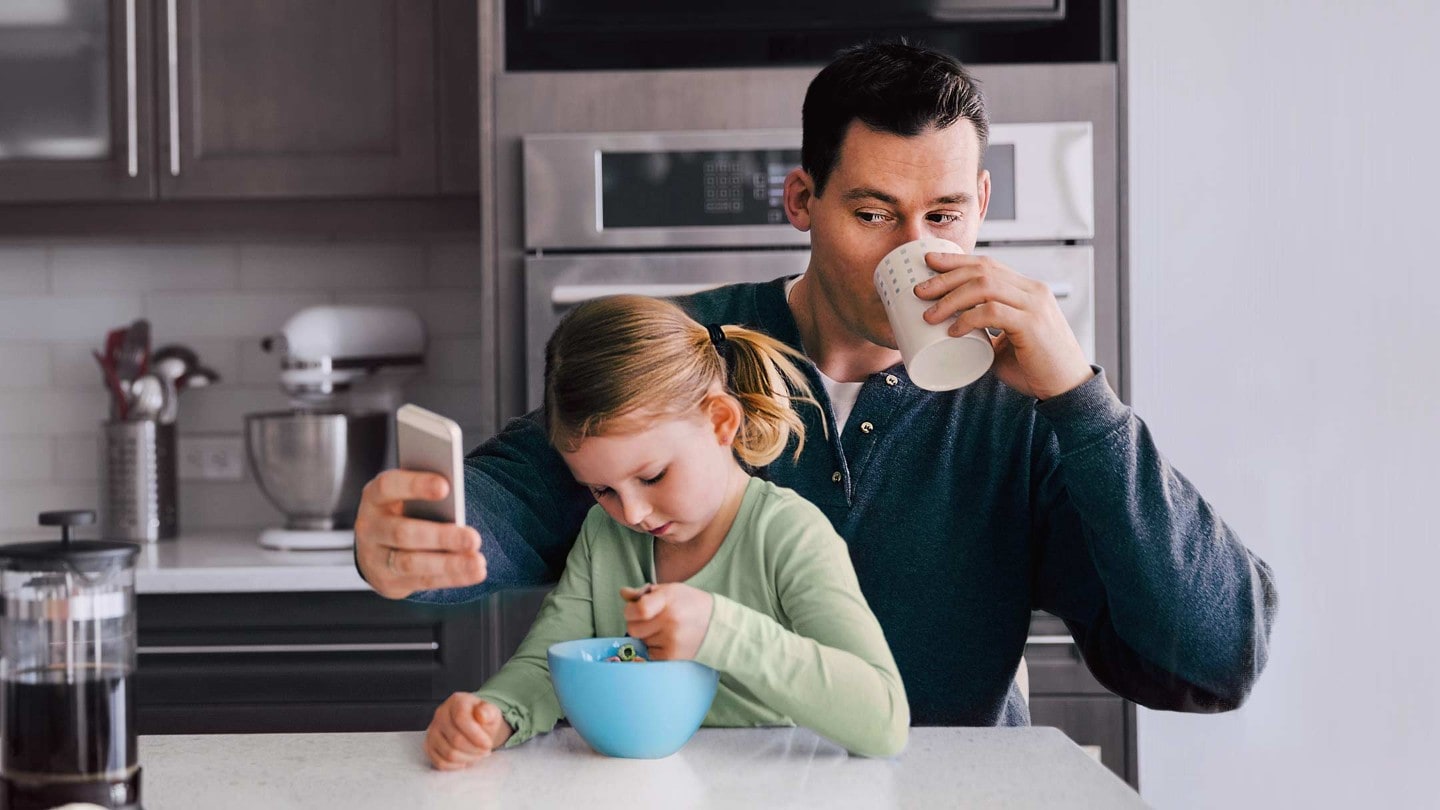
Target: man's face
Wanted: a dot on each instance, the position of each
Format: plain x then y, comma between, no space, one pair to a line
884,191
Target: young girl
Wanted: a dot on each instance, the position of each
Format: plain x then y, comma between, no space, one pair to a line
658,416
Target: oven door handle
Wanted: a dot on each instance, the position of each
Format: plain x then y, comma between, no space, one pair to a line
564,295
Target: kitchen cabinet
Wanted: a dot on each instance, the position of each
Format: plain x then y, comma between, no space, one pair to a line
302,662
1065,695
241,99
76,101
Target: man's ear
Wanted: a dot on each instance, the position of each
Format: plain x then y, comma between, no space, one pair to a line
799,194
724,415
984,192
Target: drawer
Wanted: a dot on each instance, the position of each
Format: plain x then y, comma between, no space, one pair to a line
1092,722
301,661
1054,661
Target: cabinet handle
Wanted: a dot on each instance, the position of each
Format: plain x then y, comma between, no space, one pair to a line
1062,640
250,649
174,59
132,116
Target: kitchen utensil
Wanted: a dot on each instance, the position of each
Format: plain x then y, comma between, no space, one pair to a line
627,709
67,650
147,397
198,377
130,480
312,466
119,401
134,352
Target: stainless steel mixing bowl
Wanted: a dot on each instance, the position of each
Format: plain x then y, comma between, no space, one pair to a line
313,465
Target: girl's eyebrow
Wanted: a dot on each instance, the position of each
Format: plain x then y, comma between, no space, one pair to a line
635,474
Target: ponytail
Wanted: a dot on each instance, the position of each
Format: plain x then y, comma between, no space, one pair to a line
765,380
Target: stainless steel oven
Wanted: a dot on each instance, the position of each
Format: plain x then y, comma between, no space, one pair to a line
670,213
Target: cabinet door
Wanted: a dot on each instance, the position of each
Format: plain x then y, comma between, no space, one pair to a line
75,102
297,98
279,662
1098,724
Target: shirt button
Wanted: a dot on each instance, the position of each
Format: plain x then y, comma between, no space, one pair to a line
891,379
835,476
866,427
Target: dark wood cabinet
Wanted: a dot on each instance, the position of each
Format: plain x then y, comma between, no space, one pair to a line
302,662
81,106
296,98
1065,695
271,99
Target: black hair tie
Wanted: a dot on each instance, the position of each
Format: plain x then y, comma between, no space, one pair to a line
722,344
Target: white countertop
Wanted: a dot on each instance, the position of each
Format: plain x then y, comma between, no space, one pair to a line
234,562
225,562
741,768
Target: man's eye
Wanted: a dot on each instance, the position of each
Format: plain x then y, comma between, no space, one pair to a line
870,216
944,219
649,481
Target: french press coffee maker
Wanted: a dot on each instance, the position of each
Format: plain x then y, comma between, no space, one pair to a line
67,651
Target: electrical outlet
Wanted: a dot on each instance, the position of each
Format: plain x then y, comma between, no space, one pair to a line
212,458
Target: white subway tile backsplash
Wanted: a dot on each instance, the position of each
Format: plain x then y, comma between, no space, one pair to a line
454,264
232,315
256,366
227,505
222,409
57,302
449,360
25,365
21,505
143,268
22,271
72,363
459,402
326,266
26,458
65,318
77,458
51,411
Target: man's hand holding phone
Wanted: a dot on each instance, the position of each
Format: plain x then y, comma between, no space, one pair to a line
399,554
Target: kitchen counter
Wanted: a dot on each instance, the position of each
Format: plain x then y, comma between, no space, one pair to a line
942,767
224,562
233,562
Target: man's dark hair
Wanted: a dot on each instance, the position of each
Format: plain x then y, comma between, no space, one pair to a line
891,87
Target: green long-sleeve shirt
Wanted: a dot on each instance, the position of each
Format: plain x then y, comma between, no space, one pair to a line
790,634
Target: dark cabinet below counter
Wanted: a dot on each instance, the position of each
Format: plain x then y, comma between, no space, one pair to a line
302,662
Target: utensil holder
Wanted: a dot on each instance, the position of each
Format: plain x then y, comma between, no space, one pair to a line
130,481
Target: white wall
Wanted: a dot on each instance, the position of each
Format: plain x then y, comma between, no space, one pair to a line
1285,304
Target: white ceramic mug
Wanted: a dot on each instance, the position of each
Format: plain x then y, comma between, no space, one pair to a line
934,359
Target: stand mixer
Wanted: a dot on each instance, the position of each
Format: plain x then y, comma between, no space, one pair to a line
341,367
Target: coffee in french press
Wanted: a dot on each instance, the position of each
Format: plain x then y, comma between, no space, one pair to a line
67,652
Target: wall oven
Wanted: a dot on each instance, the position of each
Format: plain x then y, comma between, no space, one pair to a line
670,213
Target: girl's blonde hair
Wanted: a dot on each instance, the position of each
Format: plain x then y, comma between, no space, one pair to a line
625,355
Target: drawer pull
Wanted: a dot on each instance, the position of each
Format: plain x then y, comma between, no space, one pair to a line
246,649
1049,640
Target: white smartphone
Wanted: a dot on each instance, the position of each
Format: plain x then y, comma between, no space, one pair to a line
429,442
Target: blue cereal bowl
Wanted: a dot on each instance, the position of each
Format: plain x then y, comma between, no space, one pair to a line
631,710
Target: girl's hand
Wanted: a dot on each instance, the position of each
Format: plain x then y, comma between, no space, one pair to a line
671,619
464,729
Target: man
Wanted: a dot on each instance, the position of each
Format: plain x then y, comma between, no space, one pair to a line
1034,487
